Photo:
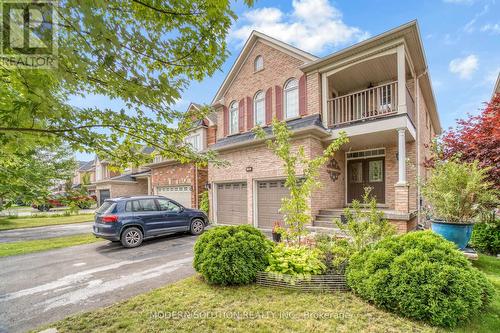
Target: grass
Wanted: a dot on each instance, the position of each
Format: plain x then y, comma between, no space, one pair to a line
489,321
15,248
10,222
191,305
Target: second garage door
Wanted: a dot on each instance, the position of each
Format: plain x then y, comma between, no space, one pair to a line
180,193
232,203
269,194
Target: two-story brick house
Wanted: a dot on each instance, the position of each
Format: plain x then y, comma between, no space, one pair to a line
378,91
185,183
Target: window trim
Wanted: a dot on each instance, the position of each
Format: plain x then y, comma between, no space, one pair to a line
234,106
287,90
257,58
263,100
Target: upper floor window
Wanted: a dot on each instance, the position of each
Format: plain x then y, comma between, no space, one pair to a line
233,118
291,98
158,159
259,107
194,141
258,63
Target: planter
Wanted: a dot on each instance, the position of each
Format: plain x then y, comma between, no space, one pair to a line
276,237
322,283
457,233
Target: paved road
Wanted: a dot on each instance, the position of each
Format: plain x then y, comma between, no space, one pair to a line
60,230
40,288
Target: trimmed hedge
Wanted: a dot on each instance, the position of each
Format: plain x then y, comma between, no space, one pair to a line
229,255
421,276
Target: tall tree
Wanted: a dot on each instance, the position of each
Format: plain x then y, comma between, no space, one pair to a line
142,52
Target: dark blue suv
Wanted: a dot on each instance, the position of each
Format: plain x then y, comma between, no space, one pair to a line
132,219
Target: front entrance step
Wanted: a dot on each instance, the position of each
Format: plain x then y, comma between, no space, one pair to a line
332,212
325,230
325,224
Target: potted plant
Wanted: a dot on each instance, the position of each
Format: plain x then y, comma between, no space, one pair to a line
457,193
277,230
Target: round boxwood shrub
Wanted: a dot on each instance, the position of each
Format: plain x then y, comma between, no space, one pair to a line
422,276
230,255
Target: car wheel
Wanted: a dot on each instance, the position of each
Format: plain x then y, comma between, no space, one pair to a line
131,237
197,227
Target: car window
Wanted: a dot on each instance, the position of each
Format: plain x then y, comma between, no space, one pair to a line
107,206
128,206
144,205
169,206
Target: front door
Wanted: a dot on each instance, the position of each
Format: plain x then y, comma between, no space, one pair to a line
362,173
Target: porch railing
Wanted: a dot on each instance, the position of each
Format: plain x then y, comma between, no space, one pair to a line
373,102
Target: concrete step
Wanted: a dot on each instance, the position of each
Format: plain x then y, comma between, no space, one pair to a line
325,224
325,230
331,212
326,218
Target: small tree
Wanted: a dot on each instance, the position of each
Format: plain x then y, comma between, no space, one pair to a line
295,207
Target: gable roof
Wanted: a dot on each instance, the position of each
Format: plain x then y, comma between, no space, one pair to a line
496,89
248,47
87,166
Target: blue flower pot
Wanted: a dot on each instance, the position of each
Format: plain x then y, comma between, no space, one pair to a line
454,232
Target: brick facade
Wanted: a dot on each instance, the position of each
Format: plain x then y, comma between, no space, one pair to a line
120,189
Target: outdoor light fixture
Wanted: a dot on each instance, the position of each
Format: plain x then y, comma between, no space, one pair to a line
249,169
208,186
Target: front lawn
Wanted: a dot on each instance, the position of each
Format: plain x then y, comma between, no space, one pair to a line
193,306
14,248
30,222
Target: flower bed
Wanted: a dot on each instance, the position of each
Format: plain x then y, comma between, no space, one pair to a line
325,282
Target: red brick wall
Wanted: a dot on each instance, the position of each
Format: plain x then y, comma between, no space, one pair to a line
211,135
278,68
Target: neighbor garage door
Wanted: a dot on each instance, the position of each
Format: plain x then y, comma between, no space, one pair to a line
232,203
269,194
180,193
103,195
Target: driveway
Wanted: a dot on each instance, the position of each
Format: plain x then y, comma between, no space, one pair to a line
40,288
60,230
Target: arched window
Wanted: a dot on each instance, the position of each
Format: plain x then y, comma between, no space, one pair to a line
233,118
258,63
259,107
291,96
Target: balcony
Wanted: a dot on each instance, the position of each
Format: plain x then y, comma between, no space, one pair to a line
376,102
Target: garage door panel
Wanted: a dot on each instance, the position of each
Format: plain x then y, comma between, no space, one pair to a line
269,197
232,203
180,193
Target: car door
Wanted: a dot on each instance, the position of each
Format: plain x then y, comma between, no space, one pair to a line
174,216
146,211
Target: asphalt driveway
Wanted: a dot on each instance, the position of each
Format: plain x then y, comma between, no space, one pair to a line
60,230
40,288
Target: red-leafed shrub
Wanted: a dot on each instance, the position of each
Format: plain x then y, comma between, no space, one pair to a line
477,138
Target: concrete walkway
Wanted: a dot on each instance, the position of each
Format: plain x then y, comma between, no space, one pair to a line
60,230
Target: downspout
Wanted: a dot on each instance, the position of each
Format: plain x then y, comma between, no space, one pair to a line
417,99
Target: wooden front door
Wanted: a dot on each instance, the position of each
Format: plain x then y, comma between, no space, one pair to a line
362,173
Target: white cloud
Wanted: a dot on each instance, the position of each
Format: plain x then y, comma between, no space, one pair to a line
492,28
312,25
464,67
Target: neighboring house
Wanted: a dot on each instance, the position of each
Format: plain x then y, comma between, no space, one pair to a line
184,183
496,89
83,173
378,91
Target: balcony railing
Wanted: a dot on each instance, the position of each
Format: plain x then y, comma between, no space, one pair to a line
365,104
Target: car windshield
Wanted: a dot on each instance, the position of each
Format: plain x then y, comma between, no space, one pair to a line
107,206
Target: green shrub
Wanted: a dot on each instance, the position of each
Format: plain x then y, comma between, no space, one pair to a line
204,202
297,261
230,255
422,276
336,252
486,237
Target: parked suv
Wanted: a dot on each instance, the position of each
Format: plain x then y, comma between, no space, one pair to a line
132,219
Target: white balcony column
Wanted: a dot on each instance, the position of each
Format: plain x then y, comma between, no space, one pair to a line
324,99
401,156
401,62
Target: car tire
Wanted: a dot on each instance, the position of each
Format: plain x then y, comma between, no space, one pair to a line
131,237
197,227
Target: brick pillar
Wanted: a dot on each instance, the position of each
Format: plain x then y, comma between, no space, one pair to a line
401,197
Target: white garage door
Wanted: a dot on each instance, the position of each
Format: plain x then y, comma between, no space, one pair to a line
180,193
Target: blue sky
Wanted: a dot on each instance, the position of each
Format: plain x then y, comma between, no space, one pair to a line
461,39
